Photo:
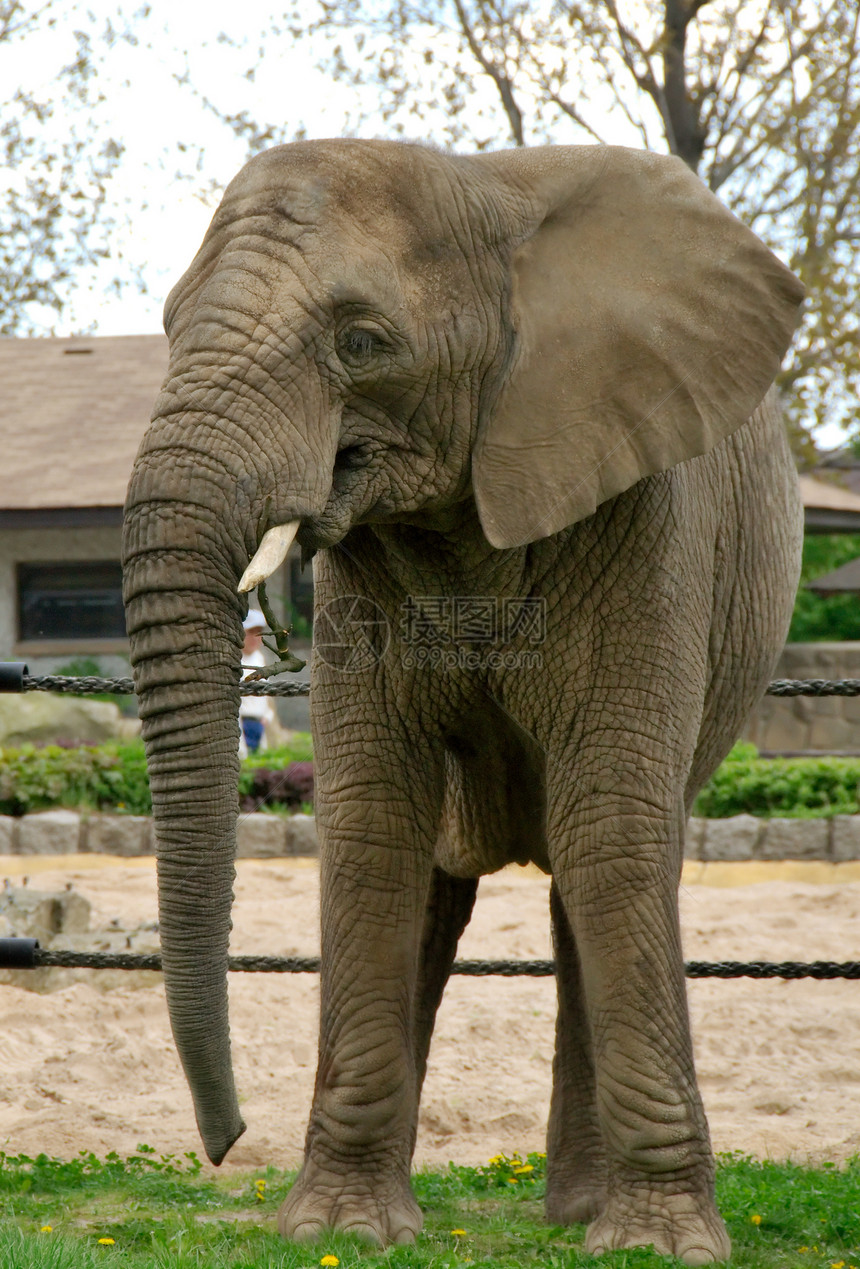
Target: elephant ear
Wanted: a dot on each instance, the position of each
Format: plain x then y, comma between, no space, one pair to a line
648,324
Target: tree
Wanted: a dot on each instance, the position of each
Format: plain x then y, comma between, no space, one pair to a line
760,97
58,160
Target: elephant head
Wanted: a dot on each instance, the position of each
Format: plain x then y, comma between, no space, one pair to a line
374,332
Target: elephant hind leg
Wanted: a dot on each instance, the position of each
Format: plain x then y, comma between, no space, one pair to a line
576,1159
449,907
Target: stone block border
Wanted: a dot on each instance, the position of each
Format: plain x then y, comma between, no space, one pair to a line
68,833
263,836
741,837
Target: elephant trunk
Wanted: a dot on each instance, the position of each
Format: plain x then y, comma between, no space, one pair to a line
190,525
184,625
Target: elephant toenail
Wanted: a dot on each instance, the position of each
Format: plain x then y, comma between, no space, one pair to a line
307,1232
362,1230
697,1256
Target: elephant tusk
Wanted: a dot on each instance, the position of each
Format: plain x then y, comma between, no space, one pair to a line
270,554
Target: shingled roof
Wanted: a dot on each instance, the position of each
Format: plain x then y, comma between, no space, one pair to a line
73,411
72,414
829,508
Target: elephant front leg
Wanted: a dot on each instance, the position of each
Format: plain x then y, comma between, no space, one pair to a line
617,875
376,867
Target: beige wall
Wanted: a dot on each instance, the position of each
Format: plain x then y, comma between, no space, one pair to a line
49,546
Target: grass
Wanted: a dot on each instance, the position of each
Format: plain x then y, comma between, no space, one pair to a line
146,1212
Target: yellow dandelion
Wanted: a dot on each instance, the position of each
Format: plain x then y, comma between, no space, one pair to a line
330,1260
803,1249
837,1264
523,1169
756,1220
461,1233
106,1242
497,1158
46,1229
512,1180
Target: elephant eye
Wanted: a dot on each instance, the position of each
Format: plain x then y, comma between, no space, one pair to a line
359,345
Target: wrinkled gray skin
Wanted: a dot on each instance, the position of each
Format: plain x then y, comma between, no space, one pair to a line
531,374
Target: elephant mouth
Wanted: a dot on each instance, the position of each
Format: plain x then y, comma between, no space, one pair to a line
351,458
319,533
348,502
359,494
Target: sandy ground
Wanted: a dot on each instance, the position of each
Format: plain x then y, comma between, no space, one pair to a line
779,1063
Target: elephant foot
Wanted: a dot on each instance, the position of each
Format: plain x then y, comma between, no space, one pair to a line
379,1211
574,1204
684,1225
576,1185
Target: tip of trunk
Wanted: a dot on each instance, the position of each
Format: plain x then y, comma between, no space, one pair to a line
218,1138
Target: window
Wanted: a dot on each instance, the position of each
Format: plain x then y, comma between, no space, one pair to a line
70,601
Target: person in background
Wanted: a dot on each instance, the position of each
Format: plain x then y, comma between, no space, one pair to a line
255,712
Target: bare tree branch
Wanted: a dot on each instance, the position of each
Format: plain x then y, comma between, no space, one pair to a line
762,98
499,78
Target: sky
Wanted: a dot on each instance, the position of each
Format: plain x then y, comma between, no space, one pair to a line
164,124
161,218
178,155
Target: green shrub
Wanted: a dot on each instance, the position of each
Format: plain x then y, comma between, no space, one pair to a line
104,777
799,788
113,777
110,777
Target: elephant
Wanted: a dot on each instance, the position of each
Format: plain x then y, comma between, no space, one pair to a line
470,387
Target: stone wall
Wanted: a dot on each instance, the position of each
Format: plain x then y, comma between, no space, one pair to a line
807,724
740,837
68,833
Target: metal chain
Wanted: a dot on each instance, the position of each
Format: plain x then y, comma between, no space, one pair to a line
814,687
125,687
45,958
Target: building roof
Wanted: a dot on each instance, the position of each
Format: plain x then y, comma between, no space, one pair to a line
72,414
829,508
820,493
842,579
73,411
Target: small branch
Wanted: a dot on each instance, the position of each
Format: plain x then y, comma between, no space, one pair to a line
287,660
499,78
